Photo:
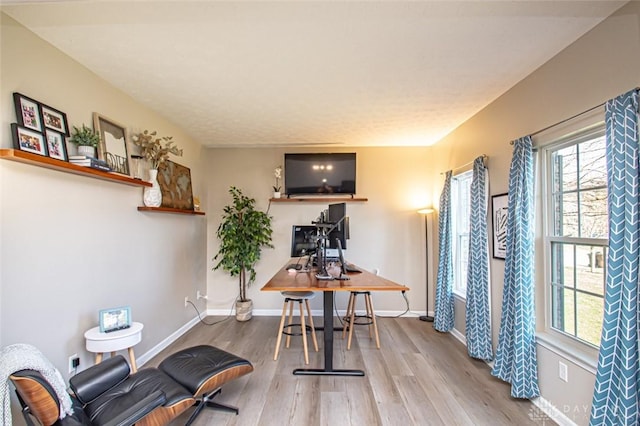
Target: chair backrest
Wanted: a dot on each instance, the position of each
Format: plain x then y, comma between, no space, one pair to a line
38,395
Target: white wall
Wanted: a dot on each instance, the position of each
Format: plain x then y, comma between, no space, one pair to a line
71,245
599,66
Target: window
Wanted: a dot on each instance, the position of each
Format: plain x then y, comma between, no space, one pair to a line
576,234
460,214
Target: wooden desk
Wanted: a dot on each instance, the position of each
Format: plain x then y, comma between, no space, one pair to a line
307,281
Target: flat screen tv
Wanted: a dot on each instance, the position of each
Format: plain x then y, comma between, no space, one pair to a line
322,173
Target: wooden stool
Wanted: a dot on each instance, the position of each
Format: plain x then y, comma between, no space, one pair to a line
351,318
290,298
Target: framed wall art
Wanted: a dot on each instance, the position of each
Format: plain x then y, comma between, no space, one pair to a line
113,146
27,140
55,120
56,146
27,112
499,204
175,184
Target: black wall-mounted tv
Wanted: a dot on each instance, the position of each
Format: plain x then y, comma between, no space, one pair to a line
322,173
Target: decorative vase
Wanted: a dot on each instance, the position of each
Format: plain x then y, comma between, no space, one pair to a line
276,194
152,195
89,151
244,310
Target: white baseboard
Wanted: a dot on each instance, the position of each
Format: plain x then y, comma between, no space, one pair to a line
316,313
166,342
551,412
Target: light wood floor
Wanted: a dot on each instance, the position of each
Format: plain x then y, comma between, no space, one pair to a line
419,377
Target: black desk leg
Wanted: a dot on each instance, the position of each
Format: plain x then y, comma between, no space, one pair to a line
328,347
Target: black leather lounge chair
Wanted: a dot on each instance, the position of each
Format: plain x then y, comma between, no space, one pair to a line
107,394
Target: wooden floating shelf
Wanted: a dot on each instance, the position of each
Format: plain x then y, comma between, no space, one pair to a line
63,166
318,199
169,210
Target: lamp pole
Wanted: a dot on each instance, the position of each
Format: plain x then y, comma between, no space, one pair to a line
426,212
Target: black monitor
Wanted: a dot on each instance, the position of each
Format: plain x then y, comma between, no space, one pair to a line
303,240
338,216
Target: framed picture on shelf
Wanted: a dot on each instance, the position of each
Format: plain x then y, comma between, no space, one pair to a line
113,146
27,140
56,146
114,319
175,184
55,120
499,204
27,112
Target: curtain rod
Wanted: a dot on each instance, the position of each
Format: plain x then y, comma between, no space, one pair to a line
484,157
567,119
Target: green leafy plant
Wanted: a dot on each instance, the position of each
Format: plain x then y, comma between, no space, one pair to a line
84,136
243,233
153,149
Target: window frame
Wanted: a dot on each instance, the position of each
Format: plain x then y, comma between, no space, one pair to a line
559,339
458,289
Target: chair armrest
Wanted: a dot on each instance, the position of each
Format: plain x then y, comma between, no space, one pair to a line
92,382
140,409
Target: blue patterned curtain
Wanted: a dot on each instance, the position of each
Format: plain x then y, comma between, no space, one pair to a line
478,320
617,388
443,320
516,361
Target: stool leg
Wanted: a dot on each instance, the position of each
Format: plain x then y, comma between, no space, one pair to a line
367,305
373,319
313,327
351,322
290,322
303,330
280,328
347,315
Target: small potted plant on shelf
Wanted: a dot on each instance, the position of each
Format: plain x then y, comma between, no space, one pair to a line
278,175
86,140
156,150
243,233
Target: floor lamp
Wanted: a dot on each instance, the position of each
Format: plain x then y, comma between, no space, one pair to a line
426,212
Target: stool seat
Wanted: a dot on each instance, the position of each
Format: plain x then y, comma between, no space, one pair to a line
298,295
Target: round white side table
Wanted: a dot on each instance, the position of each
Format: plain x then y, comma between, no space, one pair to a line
100,343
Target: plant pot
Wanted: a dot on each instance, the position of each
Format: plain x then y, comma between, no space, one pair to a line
244,310
89,151
152,196
276,194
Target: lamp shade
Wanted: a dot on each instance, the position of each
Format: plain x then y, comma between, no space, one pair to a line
426,210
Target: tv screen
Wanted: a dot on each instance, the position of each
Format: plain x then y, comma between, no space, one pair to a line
330,173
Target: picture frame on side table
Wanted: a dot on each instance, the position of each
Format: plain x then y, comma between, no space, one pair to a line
27,140
114,319
55,120
56,145
499,213
114,142
175,184
28,112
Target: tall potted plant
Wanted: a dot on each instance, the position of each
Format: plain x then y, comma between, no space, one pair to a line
243,233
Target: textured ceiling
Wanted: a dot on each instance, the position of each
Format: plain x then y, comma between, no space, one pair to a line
335,73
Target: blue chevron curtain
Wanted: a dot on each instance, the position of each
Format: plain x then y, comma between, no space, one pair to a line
516,361
478,321
443,319
617,389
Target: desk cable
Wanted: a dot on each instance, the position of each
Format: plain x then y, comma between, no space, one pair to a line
215,322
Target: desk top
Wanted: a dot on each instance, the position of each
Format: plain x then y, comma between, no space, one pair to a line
307,281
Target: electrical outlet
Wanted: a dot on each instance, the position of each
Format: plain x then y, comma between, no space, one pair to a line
74,363
563,372
186,301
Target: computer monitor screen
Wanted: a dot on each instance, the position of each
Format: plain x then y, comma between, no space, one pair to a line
338,215
303,240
